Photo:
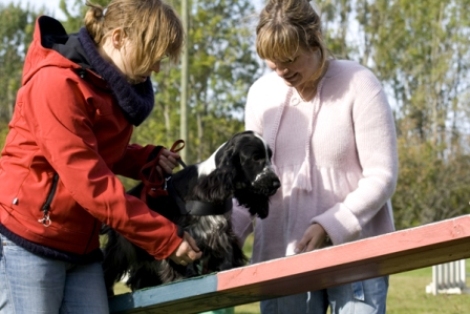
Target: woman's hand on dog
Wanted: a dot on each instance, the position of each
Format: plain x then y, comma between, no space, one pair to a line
314,238
167,161
187,252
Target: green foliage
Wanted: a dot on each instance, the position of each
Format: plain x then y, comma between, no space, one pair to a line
74,11
419,50
421,53
222,65
430,188
16,28
3,133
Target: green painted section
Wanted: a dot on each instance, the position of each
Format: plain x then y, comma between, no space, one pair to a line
172,292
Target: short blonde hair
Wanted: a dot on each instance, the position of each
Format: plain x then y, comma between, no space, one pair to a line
285,26
151,25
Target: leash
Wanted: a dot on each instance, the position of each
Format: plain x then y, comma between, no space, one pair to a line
154,184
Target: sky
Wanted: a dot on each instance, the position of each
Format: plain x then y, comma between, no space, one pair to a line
53,5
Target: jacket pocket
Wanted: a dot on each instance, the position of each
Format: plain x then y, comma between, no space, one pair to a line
46,207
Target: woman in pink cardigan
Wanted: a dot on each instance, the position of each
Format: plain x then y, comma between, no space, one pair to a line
332,132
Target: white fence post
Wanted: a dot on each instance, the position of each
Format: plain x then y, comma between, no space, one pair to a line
448,278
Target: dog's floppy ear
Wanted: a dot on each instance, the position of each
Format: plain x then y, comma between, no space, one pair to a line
226,156
217,186
256,204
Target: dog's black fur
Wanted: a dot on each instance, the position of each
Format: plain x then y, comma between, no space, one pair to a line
240,169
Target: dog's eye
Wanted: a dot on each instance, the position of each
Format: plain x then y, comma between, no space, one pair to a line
257,157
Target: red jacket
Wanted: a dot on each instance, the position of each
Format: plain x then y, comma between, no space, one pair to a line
70,126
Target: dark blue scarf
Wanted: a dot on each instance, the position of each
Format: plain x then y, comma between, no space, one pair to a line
136,101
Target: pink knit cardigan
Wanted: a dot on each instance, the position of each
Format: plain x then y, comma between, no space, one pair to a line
336,157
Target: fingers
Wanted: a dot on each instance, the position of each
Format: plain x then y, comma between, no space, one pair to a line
311,246
302,244
168,161
160,171
187,252
313,238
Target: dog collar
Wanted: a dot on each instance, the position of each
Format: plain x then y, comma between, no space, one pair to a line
200,208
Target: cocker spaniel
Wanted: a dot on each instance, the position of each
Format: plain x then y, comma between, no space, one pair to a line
199,200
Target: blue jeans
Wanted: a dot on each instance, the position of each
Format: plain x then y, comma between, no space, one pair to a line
32,284
364,297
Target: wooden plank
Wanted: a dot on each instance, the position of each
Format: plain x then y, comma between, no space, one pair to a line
143,300
392,253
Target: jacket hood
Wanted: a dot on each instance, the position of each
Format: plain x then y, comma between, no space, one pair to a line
52,46
49,35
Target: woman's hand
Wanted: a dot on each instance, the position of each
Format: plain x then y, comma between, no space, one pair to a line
187,252
314,238
167,161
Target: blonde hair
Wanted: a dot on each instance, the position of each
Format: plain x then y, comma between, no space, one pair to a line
285,26
152,26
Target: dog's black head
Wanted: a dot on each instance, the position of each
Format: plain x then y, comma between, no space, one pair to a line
248,156
243,163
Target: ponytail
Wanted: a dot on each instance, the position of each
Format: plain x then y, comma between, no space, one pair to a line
94,20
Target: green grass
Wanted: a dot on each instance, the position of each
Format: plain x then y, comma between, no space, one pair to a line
407,295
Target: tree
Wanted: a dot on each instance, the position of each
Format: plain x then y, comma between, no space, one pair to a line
222,66
16,29
74,11
419,50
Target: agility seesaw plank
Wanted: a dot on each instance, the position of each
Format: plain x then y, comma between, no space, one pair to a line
391,253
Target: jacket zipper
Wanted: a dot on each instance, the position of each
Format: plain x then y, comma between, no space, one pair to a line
46,220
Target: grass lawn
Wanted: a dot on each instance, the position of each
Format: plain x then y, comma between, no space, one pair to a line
408,295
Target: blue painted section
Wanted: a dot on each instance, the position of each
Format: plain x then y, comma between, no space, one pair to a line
166,293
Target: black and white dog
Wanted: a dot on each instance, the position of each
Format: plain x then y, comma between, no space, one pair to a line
200,202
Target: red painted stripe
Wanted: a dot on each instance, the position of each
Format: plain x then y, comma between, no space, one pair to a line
387,254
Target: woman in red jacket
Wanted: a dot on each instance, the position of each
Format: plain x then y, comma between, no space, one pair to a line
81,96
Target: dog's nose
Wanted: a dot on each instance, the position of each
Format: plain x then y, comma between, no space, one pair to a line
276,184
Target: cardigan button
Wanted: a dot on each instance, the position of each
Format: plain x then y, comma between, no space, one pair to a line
295,101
